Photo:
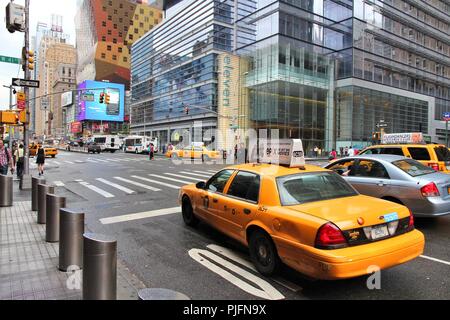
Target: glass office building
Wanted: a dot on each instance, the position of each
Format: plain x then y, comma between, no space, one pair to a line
325,71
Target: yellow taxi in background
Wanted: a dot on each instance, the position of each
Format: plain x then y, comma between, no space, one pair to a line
308,218
193,152
49,151
412,145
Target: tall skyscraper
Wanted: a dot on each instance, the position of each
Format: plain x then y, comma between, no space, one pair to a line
105,31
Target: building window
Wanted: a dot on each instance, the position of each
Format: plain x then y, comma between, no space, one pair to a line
108,48
151,13
125,59
114,57
104,23
136,30
115,26
114,40
109,32
130,37
103,55
120,49
109,18
104,9
103,38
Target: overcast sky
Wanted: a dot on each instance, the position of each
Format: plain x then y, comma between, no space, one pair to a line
11,43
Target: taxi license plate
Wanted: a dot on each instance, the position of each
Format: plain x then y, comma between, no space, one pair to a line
379,232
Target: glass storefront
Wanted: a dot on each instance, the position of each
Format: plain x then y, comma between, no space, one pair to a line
359,110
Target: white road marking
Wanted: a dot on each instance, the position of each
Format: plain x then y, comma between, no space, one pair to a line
267,292
212,171
137,184
101,160
78,180
203,173
56,162
117,186
79,161
98,190
69,162
170,179
156,182
115,160
241,260
196,174
183,177
93,161
436,260
141,215
59,183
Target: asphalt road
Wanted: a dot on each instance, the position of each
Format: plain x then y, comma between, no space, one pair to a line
201,262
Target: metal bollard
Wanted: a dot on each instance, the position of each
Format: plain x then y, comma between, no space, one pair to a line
54,204
34,192
43,189
71,230
6,191
161,294
99,267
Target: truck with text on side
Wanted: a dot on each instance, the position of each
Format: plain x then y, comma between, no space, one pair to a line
140,144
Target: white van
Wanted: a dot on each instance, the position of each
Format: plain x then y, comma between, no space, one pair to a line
108,143
139,144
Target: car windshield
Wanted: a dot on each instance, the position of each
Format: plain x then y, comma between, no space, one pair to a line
442,153
303,188
413,168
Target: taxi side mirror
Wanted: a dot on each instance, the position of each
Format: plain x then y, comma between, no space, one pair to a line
201,185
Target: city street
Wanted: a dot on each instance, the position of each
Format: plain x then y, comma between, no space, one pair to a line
135,200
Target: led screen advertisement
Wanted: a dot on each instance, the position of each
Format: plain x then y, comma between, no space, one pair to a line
89,106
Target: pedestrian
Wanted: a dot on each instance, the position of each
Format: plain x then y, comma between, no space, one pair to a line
333,155
346,151
19,156
351,152
5,159
316,151
40,159
151,151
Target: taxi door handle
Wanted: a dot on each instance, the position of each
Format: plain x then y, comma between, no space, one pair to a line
247,211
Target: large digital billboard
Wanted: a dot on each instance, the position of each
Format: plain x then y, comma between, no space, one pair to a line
89,106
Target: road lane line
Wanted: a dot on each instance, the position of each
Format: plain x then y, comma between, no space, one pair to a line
56,162
69,162
266,291
137,184
170,179
59,183
141,215
98,190
117,186
79,161
196,174
92,161
157,182
212,171
183,177
436,260
202,172
101,160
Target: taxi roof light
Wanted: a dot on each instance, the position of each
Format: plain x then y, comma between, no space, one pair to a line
330,236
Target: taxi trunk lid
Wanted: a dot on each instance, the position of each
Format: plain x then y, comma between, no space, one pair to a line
345,212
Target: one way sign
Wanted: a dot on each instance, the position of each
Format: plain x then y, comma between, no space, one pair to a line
25,83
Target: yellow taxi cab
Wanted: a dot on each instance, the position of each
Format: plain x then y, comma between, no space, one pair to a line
49,151
193,152
436,156
305,216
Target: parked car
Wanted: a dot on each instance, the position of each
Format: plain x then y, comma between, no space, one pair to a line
425,191
94,147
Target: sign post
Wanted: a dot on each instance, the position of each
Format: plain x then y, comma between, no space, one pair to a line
446,118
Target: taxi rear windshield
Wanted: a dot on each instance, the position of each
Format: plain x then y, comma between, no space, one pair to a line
442,153
303,188
413,168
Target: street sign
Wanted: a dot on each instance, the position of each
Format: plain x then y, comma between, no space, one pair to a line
10,60
44,103
25,83
21,100
446,116
382,125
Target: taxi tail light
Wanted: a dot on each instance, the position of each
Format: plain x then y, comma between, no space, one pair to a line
330,236
430,190
411,221
434,166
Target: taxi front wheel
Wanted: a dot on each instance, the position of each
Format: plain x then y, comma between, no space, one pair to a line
263,253
188,213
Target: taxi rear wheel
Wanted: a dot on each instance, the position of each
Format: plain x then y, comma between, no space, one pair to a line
188,213
263,253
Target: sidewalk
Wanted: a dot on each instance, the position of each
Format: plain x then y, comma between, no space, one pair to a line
28,264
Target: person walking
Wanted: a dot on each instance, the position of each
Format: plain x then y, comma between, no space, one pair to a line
5,159
151,151
333,155
19,156
40,159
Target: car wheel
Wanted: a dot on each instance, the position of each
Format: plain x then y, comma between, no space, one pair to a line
53,156
113,151
188,213
263,253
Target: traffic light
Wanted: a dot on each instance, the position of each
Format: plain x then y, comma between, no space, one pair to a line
27,59
102,98
9,117
107,98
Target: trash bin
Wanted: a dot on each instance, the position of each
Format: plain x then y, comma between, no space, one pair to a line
6,191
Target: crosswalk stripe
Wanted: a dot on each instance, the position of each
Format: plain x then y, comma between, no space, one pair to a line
156,182
181,176
92,161
79,161
115,160
137,184
196,174
98,190
58,183
170,179
117,186
212,171
101,160
69,162
56,162
141,215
